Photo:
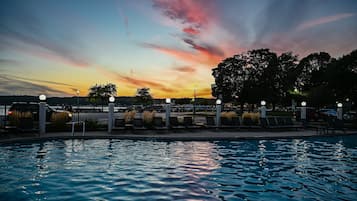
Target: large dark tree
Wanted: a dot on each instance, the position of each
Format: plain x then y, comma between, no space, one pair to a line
253,76
341,77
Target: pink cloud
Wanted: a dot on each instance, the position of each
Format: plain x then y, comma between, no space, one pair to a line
135,82
191,31
185,69
202,56
323,20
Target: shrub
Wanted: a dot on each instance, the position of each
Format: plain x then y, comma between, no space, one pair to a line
129,116
229,115
148,117
16,117
252,116
59,119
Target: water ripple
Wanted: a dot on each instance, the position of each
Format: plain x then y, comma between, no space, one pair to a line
316,169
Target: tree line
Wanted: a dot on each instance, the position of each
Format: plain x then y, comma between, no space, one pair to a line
261,74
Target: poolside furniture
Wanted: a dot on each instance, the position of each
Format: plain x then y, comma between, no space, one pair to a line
232,123
188,123
119,124
174,123
280,123
210,122
138,124
159,123
263,123
334,125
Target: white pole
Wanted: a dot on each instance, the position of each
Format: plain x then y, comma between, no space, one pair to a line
168,110
110,117
263,110
42,117
339,111
218,112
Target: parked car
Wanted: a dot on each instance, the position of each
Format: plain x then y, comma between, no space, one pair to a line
33,108
327,113
350,116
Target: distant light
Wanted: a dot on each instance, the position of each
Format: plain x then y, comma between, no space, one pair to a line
42,97
303,103
296,90
168,100
347,99
339,105
218,101
263,103
111,99
77,91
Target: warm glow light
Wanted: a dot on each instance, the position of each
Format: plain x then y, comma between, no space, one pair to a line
303,103
168,100
218,101
42,97
339,105
111,99
263,103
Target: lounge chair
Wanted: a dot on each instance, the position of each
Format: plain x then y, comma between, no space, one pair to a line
334,124
188,123
229,123
210,122
138,124
174,123
119,124
158,123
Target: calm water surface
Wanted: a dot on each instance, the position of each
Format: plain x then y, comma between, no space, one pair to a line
297,169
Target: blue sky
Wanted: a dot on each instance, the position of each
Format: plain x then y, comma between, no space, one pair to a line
170,46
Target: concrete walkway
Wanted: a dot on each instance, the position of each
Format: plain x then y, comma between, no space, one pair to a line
197,135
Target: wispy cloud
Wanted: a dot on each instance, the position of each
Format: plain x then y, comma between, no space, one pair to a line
206,49
13,86
323,20
200,57
40,81
192,14
185,69
136,82
21,28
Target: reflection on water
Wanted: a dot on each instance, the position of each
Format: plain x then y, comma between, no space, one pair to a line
321,168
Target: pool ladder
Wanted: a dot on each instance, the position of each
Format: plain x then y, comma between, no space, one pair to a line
83,123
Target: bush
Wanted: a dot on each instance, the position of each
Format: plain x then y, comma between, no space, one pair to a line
129,116
229,115
59,119
148,117
254,117
16,117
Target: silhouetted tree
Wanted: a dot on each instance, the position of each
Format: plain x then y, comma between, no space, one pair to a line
253,76
101,93
143,96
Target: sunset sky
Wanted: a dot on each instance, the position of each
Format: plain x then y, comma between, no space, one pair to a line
55,47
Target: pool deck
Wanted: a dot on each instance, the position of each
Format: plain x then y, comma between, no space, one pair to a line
196,135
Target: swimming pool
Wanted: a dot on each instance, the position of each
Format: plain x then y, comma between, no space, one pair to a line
292,169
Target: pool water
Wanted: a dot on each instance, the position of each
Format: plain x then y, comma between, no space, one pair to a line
292,169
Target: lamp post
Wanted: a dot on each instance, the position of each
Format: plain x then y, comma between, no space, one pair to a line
303,113
263,109
42,114
339,111
168,110
218,112
194,103
77,92
110,113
